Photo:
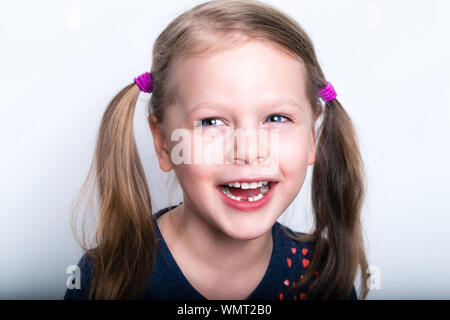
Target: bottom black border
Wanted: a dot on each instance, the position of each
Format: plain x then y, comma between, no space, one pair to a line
235,309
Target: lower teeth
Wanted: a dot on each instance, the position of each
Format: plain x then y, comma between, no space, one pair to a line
263,191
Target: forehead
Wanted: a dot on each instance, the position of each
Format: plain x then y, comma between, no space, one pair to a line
251,73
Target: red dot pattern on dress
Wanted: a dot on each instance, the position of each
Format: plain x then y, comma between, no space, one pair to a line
289,262
305,262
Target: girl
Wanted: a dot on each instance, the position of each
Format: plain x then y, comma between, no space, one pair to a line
237,64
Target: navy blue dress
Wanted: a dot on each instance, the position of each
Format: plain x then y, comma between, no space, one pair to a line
288,262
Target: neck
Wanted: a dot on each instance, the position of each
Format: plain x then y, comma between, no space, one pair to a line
211,247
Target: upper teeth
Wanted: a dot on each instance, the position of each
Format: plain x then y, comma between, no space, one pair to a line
245,185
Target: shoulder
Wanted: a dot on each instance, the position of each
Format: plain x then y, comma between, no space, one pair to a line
159,213
289,237
78,285
295,244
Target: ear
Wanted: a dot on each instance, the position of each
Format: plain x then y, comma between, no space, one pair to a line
159,142
311,154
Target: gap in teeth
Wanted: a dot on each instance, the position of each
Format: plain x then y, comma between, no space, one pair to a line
264,188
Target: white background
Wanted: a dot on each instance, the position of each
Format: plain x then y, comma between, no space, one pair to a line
62,61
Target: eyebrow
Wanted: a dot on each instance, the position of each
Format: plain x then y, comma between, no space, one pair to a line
216,105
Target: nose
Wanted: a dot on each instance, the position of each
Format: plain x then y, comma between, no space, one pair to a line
250,146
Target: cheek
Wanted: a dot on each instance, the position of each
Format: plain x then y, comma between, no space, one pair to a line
195,181
294,152
197,157
195,174
210,148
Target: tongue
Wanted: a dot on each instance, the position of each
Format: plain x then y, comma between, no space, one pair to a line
244,193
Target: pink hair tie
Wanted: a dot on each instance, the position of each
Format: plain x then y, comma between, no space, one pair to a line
328,93
144,82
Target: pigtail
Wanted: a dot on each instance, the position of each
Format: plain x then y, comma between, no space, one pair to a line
337,195
125,237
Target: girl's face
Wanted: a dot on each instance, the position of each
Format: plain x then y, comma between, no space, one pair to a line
251,88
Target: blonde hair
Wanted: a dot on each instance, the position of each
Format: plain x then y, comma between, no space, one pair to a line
123,256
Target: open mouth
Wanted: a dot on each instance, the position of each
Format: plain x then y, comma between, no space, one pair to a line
246,191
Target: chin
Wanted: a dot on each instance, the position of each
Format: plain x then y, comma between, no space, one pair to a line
247,230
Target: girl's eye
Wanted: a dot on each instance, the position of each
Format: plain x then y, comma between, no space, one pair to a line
278,116
213,121
210,121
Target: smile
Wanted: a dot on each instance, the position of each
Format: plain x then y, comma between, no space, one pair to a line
246,191
247,196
